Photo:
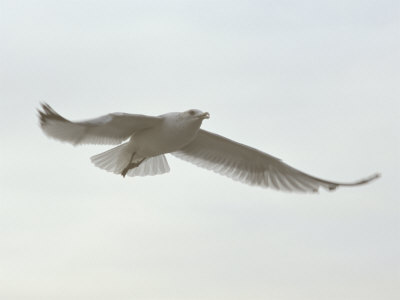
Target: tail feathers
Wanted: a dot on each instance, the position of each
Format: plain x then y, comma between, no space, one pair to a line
116,159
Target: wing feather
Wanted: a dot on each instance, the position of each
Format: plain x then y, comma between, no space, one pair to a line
109,129
251,166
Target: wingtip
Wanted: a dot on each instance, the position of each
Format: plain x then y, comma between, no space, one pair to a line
41,113
369,179
375,176
44,107
46,112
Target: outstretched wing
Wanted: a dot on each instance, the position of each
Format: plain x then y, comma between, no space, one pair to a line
108,129
251,166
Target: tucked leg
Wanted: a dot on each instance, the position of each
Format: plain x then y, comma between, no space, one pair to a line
131,165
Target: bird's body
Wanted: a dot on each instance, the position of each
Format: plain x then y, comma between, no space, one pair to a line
145,139
170,135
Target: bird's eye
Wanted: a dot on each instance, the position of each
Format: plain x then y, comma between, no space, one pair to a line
192,112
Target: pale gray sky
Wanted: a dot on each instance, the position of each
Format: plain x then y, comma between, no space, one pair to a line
315,83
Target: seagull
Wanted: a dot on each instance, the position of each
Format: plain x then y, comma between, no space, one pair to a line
144,140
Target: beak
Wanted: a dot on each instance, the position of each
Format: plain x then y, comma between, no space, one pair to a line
205,115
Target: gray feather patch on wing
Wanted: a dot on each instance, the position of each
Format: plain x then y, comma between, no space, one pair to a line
109,129
251,166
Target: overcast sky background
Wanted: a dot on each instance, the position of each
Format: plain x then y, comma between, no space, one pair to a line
315,83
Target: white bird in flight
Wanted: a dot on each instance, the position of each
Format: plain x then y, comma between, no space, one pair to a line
145,140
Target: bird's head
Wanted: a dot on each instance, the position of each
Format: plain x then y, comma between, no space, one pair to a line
196,114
